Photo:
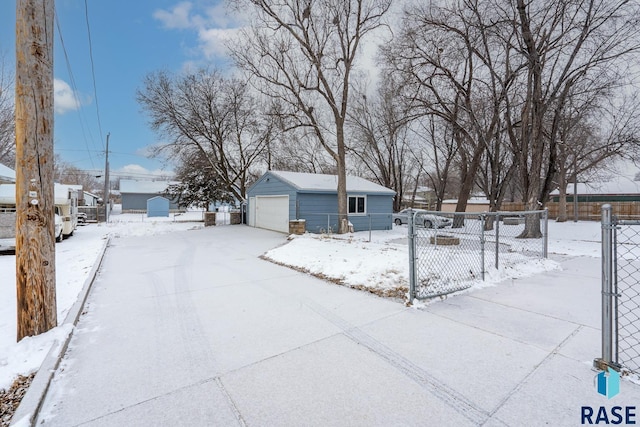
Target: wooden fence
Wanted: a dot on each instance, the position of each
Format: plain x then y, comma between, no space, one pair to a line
586,210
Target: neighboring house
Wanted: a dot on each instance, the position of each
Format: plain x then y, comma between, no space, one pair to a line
474,204
136,193
90,199
7,175
620,190
278,197
424,198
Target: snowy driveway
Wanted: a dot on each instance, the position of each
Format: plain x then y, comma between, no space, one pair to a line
192,328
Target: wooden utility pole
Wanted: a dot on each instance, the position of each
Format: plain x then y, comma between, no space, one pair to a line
35,241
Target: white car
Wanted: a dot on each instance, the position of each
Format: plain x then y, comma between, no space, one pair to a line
58,228
422,218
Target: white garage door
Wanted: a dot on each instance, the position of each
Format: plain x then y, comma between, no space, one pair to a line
272,213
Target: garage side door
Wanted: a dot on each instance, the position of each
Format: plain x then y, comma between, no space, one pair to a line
272,213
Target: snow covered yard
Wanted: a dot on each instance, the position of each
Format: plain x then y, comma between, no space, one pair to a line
381,266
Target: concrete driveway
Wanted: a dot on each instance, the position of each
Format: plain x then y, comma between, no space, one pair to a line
192,328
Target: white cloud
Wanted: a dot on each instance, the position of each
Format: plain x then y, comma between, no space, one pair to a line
176,18
213,26
140,172
64,99
212,41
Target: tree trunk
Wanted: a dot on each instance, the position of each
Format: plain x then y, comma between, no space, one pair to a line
343,218
467,185
562,199
35,241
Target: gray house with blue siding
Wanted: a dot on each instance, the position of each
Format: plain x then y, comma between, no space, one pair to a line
278,197
135,193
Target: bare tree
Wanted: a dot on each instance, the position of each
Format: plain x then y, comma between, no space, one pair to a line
304,53
381,142
215,116
436,160
66,173
564,44
7,123
591,136
447,55
505,72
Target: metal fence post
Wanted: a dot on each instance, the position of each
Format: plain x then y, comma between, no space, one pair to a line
483,218
369,228
545,232
607,275
497,240
412,259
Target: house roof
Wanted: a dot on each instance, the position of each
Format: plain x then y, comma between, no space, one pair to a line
313,182
620,185
7,174
144,187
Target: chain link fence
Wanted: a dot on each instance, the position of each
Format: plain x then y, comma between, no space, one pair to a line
620,292
450,251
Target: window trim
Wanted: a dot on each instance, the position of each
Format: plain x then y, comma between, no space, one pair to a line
357,196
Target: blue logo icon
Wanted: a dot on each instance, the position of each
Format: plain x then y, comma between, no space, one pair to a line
608,384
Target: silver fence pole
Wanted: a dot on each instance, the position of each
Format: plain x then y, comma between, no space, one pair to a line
369,228
412,258
607,275
482,220
545,233
614,292
328,223
497,239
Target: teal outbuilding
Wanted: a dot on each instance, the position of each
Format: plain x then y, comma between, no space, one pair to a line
158,207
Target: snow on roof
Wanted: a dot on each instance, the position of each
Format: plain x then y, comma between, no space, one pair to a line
7,174
621,185
144,187
471,201
320,183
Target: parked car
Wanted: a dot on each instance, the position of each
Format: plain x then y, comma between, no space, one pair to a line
82,218
422,218
58,227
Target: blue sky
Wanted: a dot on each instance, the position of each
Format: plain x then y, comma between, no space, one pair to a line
129,39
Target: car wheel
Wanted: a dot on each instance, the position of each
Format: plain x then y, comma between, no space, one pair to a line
428,224
398,221
59,238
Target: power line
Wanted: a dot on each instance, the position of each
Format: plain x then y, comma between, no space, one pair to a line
74,87
93,73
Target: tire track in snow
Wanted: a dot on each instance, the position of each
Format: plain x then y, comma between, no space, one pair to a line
429,383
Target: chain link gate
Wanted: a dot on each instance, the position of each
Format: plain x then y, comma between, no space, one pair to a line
449,251
620,293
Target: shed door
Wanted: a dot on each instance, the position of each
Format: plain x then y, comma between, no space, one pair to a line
272,213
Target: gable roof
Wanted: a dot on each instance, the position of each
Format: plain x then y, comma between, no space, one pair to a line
320,183
144,187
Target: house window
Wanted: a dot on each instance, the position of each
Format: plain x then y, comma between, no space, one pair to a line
357,204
